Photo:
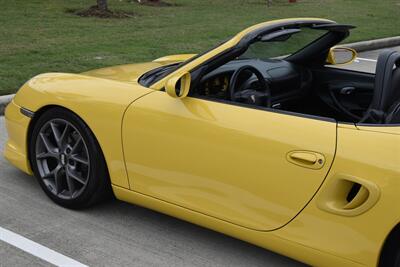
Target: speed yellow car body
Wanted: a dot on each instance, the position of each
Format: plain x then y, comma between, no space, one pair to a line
215,165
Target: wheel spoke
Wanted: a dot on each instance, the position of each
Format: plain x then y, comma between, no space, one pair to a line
46,155
70,183
79,159
56,133
56,175
51,174
49,147
75,176
64,134
77,142
58,179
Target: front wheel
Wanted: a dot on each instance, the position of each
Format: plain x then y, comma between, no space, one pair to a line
67,160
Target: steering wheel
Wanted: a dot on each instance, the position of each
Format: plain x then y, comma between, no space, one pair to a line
258,96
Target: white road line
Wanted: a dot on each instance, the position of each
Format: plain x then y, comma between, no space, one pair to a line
37,250
366,59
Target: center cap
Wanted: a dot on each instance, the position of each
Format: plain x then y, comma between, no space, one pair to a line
63,159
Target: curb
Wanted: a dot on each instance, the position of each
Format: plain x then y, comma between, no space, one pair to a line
375,44
4,100
358,46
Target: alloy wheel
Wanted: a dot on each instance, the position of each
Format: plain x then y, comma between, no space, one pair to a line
62,159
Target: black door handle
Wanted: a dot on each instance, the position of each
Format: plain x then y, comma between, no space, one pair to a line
347,90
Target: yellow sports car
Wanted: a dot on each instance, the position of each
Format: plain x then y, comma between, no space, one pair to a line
262,138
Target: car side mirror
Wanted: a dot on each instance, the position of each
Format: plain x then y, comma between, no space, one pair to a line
179,85
341,55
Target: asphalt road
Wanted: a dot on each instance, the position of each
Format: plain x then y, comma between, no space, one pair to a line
116,233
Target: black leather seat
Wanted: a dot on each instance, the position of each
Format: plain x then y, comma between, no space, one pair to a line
385,104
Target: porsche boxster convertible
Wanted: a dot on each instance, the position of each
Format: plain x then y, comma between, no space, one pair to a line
263,137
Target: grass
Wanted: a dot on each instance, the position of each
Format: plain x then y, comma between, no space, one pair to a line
39,36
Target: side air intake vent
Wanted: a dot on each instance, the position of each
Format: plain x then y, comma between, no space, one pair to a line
348,195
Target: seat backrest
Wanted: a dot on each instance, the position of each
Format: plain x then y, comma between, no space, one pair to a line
393,113
387,83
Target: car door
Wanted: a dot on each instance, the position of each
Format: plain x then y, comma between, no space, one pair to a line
250,167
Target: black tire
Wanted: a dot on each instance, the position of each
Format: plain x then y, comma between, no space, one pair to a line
97,185
390,255
397,258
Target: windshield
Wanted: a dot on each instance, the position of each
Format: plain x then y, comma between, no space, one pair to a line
283,46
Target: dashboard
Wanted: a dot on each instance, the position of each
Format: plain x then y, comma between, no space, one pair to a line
286,81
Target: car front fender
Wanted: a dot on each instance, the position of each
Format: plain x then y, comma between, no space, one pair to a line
100,103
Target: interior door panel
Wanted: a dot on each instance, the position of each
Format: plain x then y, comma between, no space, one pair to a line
353,90
251,167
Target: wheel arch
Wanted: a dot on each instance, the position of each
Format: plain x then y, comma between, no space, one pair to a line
36,117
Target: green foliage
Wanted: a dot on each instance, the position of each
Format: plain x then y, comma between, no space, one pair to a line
39,36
